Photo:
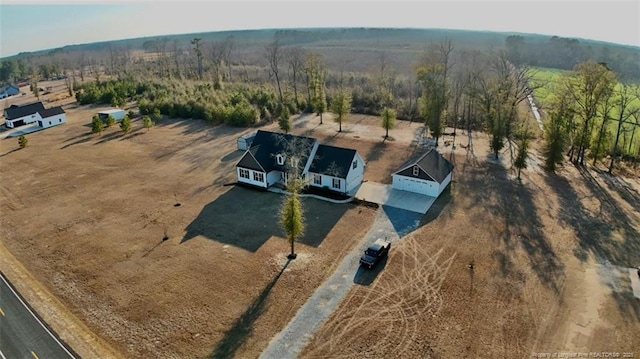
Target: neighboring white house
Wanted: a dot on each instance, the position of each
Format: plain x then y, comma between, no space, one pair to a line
265,163
22,115
427,174
244,141
336,168
34,112
52,117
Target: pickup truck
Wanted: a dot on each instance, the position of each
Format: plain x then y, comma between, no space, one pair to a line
375,253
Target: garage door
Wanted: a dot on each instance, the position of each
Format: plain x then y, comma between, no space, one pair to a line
414,185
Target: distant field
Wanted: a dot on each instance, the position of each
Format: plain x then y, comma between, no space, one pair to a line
549,79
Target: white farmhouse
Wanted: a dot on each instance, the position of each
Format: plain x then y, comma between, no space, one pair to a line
16,116
265,164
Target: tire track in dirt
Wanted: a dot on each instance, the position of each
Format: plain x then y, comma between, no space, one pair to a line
397,304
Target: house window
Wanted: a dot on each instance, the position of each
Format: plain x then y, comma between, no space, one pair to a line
336,183
317,179
59,120
355,164
49,123
258,176
244,173
280,159
294,162
416,170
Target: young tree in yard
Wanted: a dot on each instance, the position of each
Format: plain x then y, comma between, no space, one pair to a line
125,124
292,218
96,125
523,154
22,141
111,121
147,122
284,121
341,106
388,120
320,99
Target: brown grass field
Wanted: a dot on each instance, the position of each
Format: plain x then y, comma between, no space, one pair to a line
83,218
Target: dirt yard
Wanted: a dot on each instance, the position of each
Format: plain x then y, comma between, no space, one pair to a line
139,238
502,268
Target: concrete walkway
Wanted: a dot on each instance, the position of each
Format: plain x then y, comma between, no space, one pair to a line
385,195
290,341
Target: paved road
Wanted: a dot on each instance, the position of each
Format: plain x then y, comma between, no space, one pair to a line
22,334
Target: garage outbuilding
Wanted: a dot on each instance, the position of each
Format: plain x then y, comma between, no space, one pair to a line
429,174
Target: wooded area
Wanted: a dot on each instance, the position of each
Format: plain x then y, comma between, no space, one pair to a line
445,78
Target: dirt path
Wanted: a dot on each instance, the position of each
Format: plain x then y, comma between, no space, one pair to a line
289,342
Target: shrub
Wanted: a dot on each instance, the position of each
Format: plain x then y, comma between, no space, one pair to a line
22,141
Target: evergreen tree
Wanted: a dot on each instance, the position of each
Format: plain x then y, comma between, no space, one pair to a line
22,141
125,124
96,125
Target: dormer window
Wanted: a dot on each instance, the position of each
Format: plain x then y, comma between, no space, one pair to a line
280,159
294,162
416,170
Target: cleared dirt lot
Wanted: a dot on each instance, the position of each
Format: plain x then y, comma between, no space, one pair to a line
500,268
86,216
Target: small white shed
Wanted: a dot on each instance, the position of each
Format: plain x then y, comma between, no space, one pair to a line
244,141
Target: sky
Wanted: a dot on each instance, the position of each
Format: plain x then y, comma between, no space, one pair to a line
29,25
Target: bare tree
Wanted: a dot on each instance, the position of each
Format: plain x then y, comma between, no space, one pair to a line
295,57
273,53
624,99
197,48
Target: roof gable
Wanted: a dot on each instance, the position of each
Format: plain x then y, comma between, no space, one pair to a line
266,145
14,112
333,161
249,161
432,163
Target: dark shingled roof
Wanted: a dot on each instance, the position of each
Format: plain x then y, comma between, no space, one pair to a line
332,161
51,112
249,160
432,163
266,145
14,112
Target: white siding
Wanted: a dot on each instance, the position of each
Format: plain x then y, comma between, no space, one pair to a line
27,119
444,183
274,177
53,120
327,181
250,180
355,176
416,185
